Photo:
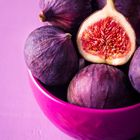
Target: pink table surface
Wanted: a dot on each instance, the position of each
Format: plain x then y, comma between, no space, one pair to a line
20,115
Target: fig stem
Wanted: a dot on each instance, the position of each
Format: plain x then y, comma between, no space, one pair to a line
68,35
42,17
110,4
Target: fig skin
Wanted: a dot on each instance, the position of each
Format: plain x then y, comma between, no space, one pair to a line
99,86
94,5
66,14
134,70
130,9
50,55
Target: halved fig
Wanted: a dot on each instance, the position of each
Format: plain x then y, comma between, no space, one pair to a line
106,37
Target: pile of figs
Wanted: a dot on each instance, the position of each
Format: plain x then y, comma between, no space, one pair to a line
86,52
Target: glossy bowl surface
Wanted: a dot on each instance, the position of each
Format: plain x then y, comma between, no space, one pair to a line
85,123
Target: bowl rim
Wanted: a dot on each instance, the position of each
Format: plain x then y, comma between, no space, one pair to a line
85,109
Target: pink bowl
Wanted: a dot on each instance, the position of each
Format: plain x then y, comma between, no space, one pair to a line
85,123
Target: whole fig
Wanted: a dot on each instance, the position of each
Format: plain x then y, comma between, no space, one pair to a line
134,70
66,14
99,86
50,55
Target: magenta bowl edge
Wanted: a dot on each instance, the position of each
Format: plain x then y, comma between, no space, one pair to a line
86,123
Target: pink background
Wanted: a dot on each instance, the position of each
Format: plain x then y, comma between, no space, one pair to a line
20,115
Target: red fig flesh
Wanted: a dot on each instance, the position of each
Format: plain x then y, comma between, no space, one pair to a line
130,9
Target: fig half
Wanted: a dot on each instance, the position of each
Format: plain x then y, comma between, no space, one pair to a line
106,37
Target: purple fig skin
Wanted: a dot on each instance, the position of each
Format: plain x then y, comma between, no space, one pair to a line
130,9
99,86
134,70
65,14
50,55
94,5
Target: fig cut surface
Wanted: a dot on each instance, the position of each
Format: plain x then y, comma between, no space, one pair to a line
106,37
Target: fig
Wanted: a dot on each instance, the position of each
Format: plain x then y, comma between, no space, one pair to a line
130,9
106,37
65,14
99,86
134,70
50,55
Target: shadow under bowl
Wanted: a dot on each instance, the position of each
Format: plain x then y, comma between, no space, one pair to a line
86,123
